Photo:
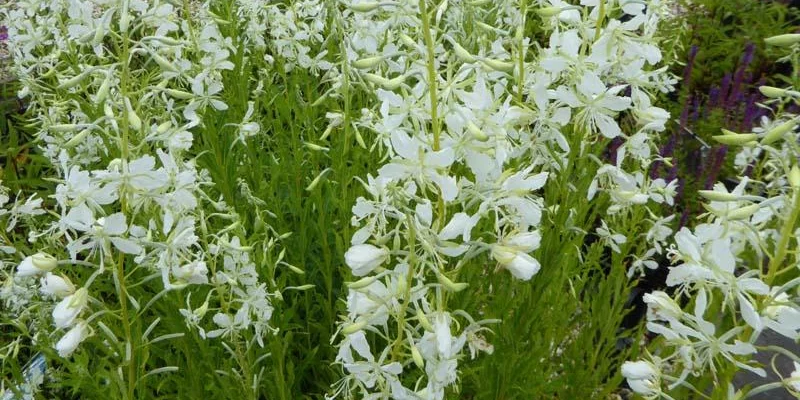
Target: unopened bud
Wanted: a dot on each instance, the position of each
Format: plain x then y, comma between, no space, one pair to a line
717,196
547,12
44,261
163,62
133,120
794,176
743,212
317,180
777,132
497,65
362,283
388,84
783,40
164,127
75,80
366,6
407,40
315,147
735,139
423,320
417,357
354,327
476,132
368,62
462,53
105,87
76,139
179,94
771,91
450,285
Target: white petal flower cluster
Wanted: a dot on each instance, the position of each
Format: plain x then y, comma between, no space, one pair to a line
472,125
133,80
738,269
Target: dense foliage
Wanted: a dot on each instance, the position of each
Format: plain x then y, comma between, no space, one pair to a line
403,199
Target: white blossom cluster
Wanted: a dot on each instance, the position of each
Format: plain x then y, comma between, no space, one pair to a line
741,262
472,123
117,91
287,32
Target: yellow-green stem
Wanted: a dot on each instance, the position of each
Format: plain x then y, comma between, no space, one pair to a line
786,235
401,320
601,16
432,75
521,60
122,292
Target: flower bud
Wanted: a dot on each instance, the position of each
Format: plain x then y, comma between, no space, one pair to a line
360,139
77,139
547,12
734,139
163,128
714,195
785,40
363,258
368,62
423,320
105,88
462,53
777,132
408,41
70,341
660,305
55,285
354,327
163,62
476,132
638,370
388,84
498,65
133,119
450,285
743,212
366,6
417,357
66,311
771,91
179,94
794,177
362,283
36,264
75,80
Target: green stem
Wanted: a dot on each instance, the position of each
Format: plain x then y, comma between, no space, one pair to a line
786,235
601,16
432,76
521,44
401,320
122,292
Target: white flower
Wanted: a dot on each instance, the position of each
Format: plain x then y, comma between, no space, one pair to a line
794,380
520,264
422,164
599,104
194,272
99,232
610,238
70,341
66,311
36,264
55,285
363,258
642,377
